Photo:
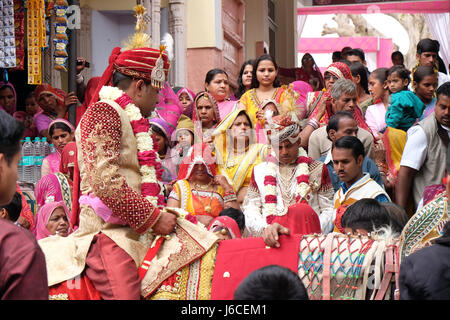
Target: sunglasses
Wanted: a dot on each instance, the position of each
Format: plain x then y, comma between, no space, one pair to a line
328,76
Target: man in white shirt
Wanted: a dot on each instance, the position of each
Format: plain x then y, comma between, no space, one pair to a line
424,155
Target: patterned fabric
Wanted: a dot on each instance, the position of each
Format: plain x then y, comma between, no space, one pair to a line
424,226
193,282
252,104
47,88
101,133
320,197
196,202
341,267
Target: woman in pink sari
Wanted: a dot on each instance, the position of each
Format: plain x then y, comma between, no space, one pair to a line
8,97
58,186
186,98
217,85
52,219
61,132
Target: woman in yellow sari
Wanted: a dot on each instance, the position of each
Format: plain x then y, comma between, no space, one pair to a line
236,150
265,85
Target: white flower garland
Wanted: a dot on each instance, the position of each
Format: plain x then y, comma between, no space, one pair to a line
302,189
144,140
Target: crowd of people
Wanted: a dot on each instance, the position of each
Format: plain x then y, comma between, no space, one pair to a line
349,150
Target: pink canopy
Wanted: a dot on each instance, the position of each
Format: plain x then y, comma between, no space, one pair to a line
380,7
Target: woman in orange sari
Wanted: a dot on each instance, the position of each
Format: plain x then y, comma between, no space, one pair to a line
199,190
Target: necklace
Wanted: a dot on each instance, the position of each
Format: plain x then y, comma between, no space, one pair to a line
233,161
198,187
287,182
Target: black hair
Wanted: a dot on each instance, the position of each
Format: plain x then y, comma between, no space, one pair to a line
352,143
29,95
401,71
271,282
427,45
421,72
14,207
235,214
333,123
336,55
345,61
6,86
121,81
345,49
11,132
443,89
212,73
357,52
241,88
243,112
366,214
397,53
380,74
255,82
397,215
59,125
358,69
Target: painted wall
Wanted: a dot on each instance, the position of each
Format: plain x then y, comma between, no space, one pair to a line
109,30
203,23
256,26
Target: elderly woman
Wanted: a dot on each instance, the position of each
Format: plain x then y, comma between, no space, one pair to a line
199,190
58,186
54,104
206,116
52,219
237,151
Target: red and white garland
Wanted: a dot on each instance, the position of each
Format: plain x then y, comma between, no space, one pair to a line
150,164
270,183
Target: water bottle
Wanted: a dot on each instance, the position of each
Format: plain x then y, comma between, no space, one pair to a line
38,157
28,160
45,147
52,148
20,165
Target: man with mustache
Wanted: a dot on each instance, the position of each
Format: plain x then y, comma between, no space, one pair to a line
340,125
423,159
343,98
348,158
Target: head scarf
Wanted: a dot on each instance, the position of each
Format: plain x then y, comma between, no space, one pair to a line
302,88
169,110
341,71
198,130
48,187
9,85
44,214
228,223
59,94
68,157
220,136
190,108
199,153
148,64
72,128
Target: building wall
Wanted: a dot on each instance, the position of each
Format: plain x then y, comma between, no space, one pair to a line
109,30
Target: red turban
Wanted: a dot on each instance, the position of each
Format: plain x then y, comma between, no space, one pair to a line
140,63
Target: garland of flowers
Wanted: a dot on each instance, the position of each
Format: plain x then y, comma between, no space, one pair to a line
150,164
270,183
